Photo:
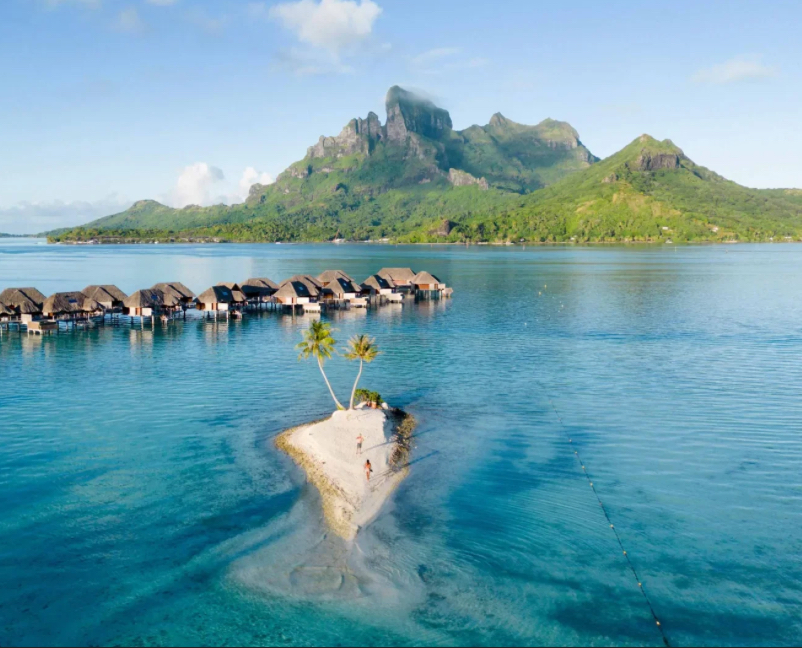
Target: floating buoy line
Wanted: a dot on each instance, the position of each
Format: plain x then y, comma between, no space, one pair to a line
575,450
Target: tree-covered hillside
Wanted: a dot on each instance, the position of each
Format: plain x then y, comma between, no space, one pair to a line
416,179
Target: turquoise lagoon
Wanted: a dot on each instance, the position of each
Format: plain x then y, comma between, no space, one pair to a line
142,501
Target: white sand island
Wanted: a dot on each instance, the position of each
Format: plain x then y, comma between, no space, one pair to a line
326,450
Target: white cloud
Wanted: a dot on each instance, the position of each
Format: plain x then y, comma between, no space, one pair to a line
36,217
128,20
195,184
739,68
249,178
333,25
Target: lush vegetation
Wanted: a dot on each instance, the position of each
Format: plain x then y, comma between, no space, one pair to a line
542,186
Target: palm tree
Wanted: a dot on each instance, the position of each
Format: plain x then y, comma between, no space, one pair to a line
319,343
364,349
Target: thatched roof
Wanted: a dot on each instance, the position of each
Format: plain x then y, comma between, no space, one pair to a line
341,286
332,275
105,294
259,287
236,292
15,297
377,283
29,308
425,278
312,284
397,275
217,295
69,302
293,288
171,300
5,310
145,298
175,288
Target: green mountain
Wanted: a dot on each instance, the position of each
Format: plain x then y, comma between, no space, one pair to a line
417,179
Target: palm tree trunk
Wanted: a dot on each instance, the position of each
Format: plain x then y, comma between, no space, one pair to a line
339,405
356,382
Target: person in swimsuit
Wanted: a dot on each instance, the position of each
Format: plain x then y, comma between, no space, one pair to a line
368,469
359,440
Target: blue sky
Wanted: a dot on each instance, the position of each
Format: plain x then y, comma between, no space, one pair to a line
103,102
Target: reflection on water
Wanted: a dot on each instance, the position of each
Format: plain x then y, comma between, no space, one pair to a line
142,501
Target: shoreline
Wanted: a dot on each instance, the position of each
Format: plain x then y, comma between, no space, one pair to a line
325,450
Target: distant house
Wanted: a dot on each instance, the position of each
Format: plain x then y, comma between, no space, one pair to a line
144,303
259,290
175,290
217,299
70,305
25,303
328,276
108,296
401,278
313,286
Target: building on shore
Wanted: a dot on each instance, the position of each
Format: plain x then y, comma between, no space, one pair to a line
259,290
144,303
109,297
401,278
71,306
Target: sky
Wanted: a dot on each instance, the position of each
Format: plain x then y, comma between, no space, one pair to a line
105,102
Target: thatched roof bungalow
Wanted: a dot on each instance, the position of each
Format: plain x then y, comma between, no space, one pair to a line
401,278
144,303
23,301
70,304
377,285
236,292
294,291
259,289
217,299
328,276
176,290
108,296
427,281
5,313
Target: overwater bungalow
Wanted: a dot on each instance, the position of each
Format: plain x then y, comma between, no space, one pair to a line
377,285
217,299
144,303
259,290
71,306
328,276
294,292
109,297
25,303
426,285
178,290
237,294
5,314
401,278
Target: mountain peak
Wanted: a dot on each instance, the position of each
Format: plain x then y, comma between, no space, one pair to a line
410,113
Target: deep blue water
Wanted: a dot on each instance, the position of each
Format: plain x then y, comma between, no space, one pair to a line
142,501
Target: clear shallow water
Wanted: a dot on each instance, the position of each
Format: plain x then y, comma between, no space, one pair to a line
142,502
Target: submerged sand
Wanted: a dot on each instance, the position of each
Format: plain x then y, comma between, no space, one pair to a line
326,450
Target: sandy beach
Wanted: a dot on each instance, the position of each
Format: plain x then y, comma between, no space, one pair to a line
326,450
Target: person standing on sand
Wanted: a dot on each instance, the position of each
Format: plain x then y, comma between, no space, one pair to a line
359,440
368,469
